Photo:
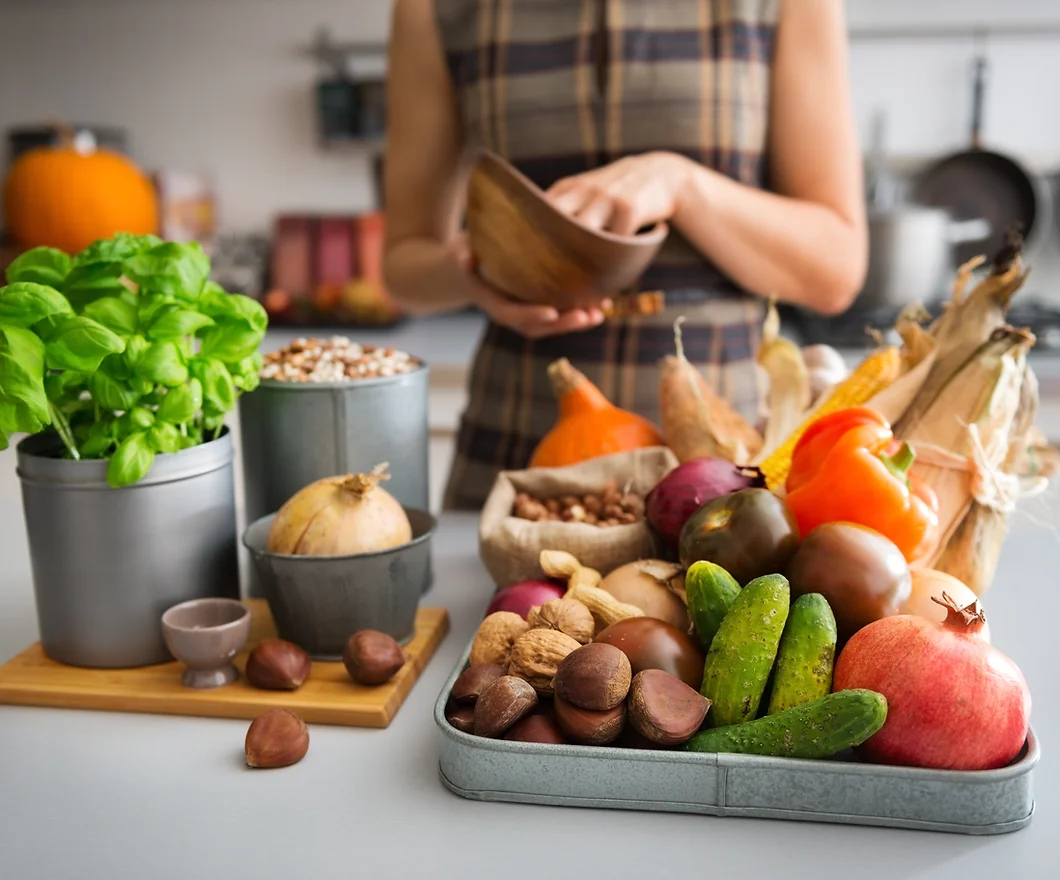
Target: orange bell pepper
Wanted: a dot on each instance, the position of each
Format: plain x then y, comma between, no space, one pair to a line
848,467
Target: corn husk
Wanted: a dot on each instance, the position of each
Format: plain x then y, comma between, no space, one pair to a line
788,398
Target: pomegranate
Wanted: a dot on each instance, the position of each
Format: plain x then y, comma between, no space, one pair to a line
954,702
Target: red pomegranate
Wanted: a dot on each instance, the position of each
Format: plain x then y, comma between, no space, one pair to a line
954,702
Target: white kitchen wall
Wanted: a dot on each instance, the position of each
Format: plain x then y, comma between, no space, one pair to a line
223,86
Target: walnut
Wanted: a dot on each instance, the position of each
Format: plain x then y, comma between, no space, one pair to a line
536,656
567,616
495,637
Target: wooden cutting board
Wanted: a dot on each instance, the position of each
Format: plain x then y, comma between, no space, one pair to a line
329,696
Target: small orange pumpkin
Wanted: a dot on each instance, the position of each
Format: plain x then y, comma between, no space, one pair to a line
589,425
70,195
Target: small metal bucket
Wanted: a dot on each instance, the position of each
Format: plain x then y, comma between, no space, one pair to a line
318,602
108,562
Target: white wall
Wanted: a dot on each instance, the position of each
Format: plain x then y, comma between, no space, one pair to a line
222,86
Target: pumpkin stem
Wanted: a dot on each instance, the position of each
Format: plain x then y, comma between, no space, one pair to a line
679,342
573,390
969,619
362,484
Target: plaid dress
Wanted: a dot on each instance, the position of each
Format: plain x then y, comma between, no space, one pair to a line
559,87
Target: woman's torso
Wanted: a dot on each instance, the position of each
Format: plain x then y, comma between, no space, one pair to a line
559,87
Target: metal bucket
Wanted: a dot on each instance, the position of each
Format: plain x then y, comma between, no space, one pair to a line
293,434
318,602
108,562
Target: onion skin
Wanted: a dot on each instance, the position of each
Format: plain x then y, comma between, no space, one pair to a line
954,702
928,582
634,585
520,597
688,487
340,516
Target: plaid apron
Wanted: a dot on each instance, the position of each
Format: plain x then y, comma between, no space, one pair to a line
559,87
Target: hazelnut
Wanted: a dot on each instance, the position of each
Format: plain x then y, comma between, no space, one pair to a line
589,728
495,637
461,717
664,709
568,616
592,504
536,656
568,501
552,505
594,677
372,657
536,729
276,738
501,704
279,665
474,680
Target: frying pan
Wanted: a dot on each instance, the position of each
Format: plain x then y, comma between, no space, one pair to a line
981,183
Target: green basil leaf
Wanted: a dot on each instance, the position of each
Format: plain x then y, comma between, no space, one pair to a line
26,303
219,304
41,265
88,283
152,304
135,348
218,389
177,269
213,421
66,384
114,313
139,418
180,404
80,345
110,393
95,447
162,364
230,342
23,403
131,461
47,328
116,249
164,437
172,323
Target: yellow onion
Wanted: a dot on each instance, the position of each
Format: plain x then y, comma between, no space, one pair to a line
340,516
928,582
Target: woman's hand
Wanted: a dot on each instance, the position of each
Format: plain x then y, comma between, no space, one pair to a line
627,194
527,319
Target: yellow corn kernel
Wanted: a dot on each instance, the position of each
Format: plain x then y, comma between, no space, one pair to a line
871,376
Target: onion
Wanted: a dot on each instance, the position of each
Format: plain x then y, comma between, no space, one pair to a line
691,485
340,516
646,584
954,702
521,597
928,582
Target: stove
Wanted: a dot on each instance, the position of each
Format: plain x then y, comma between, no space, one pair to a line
850,330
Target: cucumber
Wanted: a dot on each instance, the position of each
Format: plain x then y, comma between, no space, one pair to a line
710,590
743,650
819,729
803,672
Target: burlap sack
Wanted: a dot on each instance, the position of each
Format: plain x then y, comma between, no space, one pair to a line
510,547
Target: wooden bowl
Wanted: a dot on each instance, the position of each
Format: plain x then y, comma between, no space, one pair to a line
530,250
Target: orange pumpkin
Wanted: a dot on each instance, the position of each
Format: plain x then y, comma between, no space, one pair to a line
589,425
69,196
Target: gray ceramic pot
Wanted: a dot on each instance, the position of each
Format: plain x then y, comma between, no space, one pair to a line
318,602
108,562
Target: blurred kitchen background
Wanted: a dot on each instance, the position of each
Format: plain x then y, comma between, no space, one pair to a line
262,123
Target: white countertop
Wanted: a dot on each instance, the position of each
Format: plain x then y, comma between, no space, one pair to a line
111,796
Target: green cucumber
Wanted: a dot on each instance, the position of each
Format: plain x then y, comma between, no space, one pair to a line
807,653
710,591
743,650
819,729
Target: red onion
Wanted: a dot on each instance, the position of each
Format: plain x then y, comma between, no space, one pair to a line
523,596
954,702
691,485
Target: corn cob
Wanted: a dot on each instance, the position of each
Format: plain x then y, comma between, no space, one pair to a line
871,376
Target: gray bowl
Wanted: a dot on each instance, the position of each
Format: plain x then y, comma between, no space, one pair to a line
318,602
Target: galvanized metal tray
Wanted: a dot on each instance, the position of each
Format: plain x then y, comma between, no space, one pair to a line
839,790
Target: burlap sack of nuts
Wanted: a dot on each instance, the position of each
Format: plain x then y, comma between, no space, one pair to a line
510,547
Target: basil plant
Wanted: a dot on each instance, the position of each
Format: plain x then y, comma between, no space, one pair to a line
125,350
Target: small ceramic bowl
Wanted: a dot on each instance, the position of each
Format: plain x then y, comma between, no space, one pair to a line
206,635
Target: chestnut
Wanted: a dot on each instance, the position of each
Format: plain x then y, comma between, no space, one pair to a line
372,657
276,664
474,680
594,677
589,728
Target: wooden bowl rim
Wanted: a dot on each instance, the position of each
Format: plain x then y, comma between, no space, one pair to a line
649,238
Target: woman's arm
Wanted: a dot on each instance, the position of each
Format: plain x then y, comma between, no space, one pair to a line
807,242
426,262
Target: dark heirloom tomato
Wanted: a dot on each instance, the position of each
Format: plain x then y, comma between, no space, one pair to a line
749,533
650,643
861,573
